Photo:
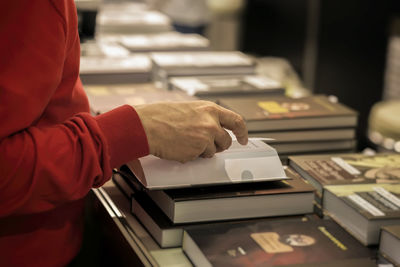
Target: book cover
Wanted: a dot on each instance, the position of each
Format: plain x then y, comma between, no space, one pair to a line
306,243
355,168
238,164
282,112
104,98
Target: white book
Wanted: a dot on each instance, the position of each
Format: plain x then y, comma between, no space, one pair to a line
254,162
168,41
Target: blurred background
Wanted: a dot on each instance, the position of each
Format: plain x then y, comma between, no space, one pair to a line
347,49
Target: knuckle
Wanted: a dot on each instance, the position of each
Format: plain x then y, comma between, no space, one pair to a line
211,127
238,122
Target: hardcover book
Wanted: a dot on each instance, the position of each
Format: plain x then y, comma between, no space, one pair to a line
213,87
275,113
389,245
238,164
113,70
265,243
168,41
362,209
131,18
313,146
339,169
154,220
237,201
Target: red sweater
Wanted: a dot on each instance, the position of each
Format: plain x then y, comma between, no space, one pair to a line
52,151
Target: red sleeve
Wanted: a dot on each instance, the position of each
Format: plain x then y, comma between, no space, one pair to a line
43,165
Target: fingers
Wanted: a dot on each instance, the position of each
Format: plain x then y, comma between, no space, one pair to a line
209,151
235,123
222,140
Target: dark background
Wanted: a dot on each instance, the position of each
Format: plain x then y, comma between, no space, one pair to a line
352,41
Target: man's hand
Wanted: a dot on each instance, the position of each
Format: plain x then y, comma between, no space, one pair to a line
184,131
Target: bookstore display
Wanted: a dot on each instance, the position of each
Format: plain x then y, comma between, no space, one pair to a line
331,206
310,116
199,63
345,169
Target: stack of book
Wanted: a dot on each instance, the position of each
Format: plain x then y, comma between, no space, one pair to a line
199,63
173,196
130,18
360,192
103,98
342,169
298,125
214,87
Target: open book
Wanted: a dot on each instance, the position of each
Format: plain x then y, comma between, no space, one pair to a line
254,162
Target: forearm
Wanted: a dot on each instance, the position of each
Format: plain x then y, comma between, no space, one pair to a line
42,167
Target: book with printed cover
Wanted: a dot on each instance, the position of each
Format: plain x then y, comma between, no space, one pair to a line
103,98
236,201
310,242
362,209
276,113
213,87
166,41
135,68
389,245
353,168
